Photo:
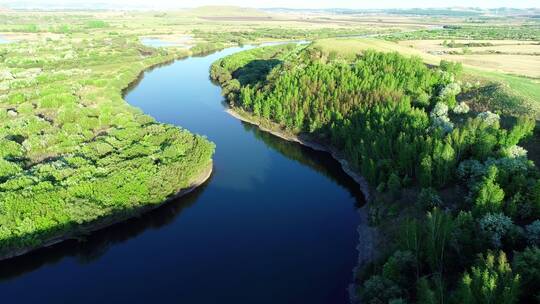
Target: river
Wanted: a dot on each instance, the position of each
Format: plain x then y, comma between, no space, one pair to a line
276,222
3,40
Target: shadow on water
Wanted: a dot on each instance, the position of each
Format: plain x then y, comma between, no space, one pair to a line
132,85
320,161
93,246
98,243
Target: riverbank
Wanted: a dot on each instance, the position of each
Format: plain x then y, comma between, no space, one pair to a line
113,219
276,130
368,236
74,229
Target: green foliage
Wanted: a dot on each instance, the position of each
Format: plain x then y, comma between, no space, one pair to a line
535,197
379,289
424,293
401,268
471,32
523,129
389,116
495,227
464,244
245,36
490,281
68,141
527,265
394,185
533,233
454,68
426,171
429,199
439,225
489,195
8,169
341,102
93,24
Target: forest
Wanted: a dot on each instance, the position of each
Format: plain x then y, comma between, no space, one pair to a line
455,197
68,141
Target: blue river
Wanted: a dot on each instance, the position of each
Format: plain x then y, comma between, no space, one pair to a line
276,222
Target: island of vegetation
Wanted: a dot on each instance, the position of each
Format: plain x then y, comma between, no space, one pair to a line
74,156
454,197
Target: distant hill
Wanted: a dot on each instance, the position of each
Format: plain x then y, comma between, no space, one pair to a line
229,11
445,12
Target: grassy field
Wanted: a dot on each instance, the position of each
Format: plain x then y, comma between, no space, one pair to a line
520,57
351,47
503,46
513,64
526,87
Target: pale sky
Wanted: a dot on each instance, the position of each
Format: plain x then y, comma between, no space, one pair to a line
357,4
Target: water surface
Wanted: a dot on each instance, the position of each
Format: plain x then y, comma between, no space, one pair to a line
156,42
3,40
276,222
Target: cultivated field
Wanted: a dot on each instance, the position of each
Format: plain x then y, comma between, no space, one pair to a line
508,56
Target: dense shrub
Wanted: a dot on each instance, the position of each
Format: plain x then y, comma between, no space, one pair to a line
527,264
72,151
490,281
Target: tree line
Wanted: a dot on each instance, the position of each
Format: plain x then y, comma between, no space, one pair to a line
453,172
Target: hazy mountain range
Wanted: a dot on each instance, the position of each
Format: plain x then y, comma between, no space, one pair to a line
149,5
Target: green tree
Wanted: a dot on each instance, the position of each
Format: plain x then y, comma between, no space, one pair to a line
424,293
394,185
426,172
527,264
523,128
491,281
489,195
438,225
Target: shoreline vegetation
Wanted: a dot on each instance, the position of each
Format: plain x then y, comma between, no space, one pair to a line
438,167
368,246
368,235
276,130
112,219
197,171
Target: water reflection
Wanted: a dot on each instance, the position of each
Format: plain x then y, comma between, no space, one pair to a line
157,43
95,245
3,40
322,162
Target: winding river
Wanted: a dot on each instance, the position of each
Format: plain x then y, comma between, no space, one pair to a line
276,222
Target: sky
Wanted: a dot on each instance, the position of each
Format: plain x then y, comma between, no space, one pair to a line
356,4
